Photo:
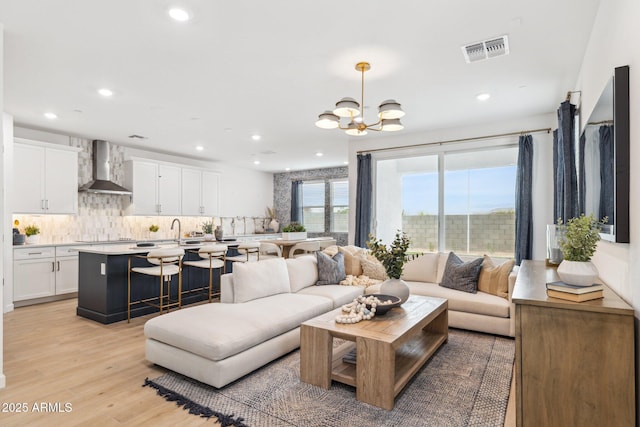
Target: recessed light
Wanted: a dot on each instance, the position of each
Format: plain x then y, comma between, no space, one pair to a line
180,15
105,92
199,147
256,162
483,97
319,154
346,163
50,115
287,169
256,137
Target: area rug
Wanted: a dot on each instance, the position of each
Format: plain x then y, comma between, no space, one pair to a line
466,383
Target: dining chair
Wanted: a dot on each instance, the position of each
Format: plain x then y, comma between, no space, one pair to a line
269,250
305,248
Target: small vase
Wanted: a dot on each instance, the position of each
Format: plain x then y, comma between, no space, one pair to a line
397,288
218,232
578,273
274,225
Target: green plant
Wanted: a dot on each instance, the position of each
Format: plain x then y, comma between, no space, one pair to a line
31,230
580,237
207,227
153,228
293,227
392,257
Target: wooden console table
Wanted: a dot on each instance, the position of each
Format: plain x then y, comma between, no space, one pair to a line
574,361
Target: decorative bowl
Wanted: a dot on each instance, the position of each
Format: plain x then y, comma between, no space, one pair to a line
383,308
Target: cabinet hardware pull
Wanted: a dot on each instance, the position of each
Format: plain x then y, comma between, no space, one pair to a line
58,262
35,253
53,266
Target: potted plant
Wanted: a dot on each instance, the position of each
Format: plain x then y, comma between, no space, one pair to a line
32,231
274,225
294,231
393,259
153,229
578,244
207,229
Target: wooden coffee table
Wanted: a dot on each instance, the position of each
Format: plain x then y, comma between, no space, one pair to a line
390,349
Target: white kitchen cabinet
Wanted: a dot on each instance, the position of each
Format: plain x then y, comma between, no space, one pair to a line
156,188
34,273
44,272
67,268
45,178
200,192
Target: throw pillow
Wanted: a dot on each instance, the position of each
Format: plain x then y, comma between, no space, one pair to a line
330,270
460,275
352,260
494,279
372,268
331,250
421,269
253,280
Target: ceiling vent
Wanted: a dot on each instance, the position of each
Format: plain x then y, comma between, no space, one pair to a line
479,51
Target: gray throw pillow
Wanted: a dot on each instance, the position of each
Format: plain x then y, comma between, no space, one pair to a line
330,270
461,275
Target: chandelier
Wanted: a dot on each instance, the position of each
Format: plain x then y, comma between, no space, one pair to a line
389,113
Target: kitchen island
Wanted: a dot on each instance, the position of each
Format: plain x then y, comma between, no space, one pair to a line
102,286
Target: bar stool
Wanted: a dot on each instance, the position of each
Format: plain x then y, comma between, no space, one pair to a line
165,263
304,247
248,252
213,258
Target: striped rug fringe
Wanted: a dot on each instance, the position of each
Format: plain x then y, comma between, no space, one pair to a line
194,408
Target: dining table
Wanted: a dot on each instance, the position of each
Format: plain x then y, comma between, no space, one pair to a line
286,245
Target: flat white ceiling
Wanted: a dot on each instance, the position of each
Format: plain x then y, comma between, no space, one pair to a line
270,67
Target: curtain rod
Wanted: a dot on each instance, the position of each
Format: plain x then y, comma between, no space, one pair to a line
524,132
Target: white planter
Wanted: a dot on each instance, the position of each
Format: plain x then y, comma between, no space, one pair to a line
578,273
302,235
32,240
397,288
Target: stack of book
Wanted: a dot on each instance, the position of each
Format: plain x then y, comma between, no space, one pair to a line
574,293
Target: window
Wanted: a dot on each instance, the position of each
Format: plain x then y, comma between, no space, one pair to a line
313,206
325,206
339,221
454,201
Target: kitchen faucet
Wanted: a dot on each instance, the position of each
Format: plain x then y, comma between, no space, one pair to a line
179,228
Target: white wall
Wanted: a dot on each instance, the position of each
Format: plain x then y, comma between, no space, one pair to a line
543,159
2,206
612,45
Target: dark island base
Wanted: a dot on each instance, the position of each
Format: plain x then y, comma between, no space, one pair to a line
103,297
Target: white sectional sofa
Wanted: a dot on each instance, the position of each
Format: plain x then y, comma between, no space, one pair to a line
482,312
263,304
258,320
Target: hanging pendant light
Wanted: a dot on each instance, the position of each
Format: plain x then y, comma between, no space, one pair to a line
389,113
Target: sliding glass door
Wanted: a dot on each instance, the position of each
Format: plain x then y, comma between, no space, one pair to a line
449,201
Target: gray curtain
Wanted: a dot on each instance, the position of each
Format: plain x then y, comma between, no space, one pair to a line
524,199
566,203
607,173
364,189
582,180
296,201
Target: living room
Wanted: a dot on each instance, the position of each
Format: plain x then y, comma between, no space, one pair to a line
607,44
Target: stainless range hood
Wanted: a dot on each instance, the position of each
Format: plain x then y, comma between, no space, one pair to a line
101,183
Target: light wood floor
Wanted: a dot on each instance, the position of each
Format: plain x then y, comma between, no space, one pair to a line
53,356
